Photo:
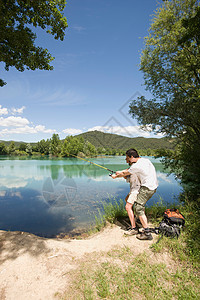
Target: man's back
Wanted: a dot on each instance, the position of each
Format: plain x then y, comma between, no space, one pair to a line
146,173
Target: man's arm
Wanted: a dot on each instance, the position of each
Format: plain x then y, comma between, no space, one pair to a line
122,173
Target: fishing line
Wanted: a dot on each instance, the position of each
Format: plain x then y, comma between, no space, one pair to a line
93,163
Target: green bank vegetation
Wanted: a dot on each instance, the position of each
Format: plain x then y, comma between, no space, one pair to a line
53,147
87,144
119,274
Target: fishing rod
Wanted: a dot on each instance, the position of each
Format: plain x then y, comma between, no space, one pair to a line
93,163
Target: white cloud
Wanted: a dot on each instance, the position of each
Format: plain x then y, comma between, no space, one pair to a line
72,131
163,177
57,97
78,28
26,130
2,193
41,128
19,125
126,130
13,121
129,131
3,111
17,110
13,183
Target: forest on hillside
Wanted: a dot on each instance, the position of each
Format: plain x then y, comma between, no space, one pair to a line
88,144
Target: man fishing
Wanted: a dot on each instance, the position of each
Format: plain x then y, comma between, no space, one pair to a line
146,174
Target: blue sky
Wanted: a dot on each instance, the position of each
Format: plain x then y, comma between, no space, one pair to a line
96,73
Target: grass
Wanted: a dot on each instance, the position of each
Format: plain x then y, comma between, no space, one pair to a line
132,278
119,274
156,211
187,247
115,210
111,211
188,244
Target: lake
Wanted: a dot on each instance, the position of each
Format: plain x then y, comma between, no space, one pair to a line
48,197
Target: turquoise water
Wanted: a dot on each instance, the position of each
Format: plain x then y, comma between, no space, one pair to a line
52,196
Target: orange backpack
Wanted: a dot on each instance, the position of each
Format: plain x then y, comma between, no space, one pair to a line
171,224
173,216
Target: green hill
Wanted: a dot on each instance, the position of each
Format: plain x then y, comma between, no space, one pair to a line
114,141
118,142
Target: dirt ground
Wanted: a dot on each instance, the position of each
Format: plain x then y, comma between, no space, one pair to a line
37,268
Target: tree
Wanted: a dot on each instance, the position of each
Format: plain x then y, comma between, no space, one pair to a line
72,146
29,149
17,40
3,149
170,63
22,147
89,149
11,148
55,145
43,147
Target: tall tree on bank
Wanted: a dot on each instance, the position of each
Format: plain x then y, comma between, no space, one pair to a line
170,63
17,40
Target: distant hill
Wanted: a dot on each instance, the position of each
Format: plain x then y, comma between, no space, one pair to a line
17,144
115,141
7,143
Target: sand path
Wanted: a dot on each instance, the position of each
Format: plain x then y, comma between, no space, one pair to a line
36,268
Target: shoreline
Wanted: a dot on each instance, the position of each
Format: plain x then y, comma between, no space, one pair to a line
33,267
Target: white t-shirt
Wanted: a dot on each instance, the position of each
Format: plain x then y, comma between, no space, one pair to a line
146,173
134,183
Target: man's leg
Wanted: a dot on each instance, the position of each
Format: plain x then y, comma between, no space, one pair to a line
143,220
144,195
130,199
129,210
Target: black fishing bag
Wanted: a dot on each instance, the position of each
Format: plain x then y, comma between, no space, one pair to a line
171,224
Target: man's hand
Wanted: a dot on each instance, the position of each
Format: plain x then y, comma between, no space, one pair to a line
117,174
120,174
114,176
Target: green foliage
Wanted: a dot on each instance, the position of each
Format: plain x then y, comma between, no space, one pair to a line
114,210
187,247
72,145
86,144
17,47
156,211
3,149
42,147
192,25
55,145
191,237
11,148
170,63
77,146
107,142
29,149
22,147
21,153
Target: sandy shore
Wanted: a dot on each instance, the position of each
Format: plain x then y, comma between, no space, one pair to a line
37,268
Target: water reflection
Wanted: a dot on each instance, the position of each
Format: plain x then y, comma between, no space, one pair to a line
47,197
25,210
